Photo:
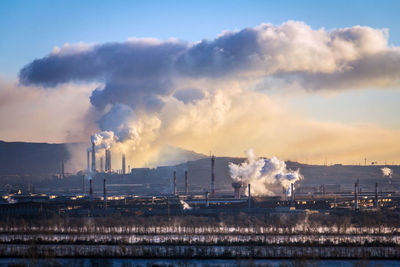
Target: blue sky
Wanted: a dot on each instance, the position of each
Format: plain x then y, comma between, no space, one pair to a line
30,29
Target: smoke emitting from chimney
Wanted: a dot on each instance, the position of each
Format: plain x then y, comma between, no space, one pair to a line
267,176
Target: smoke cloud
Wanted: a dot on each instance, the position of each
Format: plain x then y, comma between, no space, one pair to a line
151,93
266,176
387,172
103,140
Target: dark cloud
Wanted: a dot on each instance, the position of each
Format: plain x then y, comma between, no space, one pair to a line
188,95
138,72
130,71
232,52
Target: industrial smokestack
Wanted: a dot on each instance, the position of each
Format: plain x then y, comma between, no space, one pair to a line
376,196
291,194
101,165
236,188
108,160
212,176
83,185
123,164
356,196
88,161
207,201
104,194
93,157
174,183
249,195
62,170
186,183
90,190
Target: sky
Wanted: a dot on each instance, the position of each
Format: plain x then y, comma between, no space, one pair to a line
283,108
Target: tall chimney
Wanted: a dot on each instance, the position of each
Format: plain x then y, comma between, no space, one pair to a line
62,170
236,188
90,190
104,194
356,196
249,195
101,165
93,157
376,196
186,183
108,160
88,161
291,194
212,176
207,201
83,184
174,183
123,164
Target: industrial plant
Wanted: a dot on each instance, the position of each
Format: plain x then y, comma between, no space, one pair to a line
203,208
169,190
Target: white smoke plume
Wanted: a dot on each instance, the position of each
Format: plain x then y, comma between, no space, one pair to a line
266,176
387,172
185,205
103,140
151,93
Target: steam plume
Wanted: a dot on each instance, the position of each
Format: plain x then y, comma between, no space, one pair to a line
185,205
103,140
149,92
387,172
267,176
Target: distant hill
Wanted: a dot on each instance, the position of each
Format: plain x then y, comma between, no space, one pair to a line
45,159
170,155
31,158
25,158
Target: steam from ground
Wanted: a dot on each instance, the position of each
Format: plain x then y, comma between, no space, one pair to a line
387,172
185,205
266,176
156,93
